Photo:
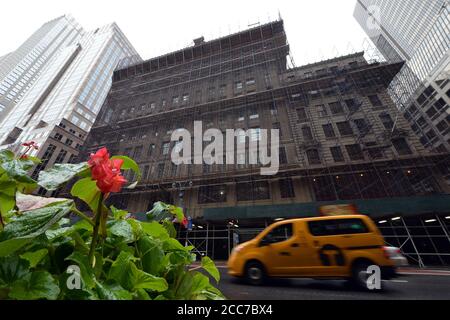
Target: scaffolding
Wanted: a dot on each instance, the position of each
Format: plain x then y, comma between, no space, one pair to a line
248,80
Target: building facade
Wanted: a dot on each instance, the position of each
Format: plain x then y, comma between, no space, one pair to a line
342,139
62,105
20,68
418,33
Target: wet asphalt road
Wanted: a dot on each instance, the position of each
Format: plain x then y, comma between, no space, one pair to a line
417,286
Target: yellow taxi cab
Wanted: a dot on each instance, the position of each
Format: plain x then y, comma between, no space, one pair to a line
320,247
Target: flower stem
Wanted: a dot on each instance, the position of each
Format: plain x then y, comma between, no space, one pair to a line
82,215
98,216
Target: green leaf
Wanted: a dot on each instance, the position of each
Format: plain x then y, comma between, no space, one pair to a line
162,211
10,246
34,257
7,196
86,190
36,222
184,287
112,292
35,285
170,228
144,280
6,155
18,170
118,213
151,254
211,268
171,244
11,269
200,282
130,164
60,173
120,270
155,230
122,229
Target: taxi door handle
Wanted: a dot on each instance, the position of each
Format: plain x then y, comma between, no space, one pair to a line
295,245
284,253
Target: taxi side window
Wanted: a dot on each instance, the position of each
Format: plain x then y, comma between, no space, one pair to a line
279,234
337,227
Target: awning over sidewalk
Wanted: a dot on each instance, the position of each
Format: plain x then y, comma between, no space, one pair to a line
372,207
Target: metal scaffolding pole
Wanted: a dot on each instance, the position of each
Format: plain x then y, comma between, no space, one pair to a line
421,264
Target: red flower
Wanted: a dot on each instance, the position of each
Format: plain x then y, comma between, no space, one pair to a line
100,156
106,171
30,144
185,222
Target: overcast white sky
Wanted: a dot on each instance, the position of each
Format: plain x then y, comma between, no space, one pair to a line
316,29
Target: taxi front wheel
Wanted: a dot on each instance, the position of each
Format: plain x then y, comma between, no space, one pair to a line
255,273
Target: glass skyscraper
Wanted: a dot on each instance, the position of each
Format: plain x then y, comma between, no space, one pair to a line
62,105
417,32
20,68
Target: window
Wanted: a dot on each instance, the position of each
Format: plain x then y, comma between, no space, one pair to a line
375,152
61,155
286,188
313,156
253,115
431,134
375,100
301,113
280,233
322,110
440,104
248,191
328,130
175,99
238,85
282,155
58,136
150,150
273,110
165,148
442,126
401,146
145,173
223,91
68,142
336,108
137,152
160,170
387,121
354,152
352,105
337,227
337,154
185,98
212,194
344,128
250,81
362,126
307,133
